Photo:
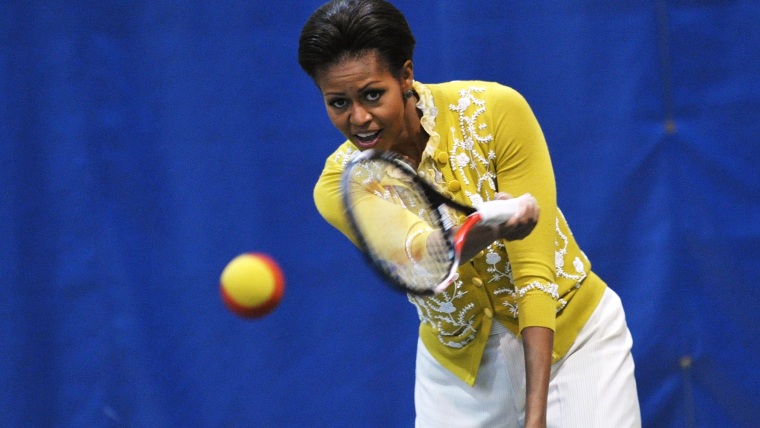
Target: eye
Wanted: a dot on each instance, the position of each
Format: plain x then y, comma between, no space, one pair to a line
373,95
338,103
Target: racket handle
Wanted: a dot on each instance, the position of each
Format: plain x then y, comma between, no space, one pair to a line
497,211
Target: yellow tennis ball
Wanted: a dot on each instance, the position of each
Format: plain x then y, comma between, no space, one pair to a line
252,285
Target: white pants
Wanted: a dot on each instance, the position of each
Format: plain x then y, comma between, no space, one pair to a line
592,386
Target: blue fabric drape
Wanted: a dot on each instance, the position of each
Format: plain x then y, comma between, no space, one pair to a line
145,144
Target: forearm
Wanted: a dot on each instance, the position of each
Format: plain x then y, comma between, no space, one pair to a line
538,344
478,239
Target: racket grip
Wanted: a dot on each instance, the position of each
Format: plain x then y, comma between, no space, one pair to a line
497,211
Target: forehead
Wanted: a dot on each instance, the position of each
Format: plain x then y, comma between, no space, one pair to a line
353,72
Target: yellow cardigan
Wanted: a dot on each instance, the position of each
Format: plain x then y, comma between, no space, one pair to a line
484,138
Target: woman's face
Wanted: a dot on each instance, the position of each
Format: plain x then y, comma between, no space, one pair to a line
365,102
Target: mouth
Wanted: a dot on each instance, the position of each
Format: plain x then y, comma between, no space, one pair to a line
367,140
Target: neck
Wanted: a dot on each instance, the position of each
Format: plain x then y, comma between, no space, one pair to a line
417,139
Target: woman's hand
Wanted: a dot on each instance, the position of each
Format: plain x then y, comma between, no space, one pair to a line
517,227
524,220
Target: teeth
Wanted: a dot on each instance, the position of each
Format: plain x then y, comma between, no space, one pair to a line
366,135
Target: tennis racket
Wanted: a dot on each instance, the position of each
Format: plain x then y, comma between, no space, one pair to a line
406,228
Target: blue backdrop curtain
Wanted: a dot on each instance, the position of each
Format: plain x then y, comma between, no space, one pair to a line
147,143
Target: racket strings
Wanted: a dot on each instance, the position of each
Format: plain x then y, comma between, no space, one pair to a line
403,235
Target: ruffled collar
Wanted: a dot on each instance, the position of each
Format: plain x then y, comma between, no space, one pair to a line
426,104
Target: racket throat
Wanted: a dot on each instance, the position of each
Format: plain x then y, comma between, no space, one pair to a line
453,276
458,240
446,221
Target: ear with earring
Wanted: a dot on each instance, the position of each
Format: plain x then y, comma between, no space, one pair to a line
409,94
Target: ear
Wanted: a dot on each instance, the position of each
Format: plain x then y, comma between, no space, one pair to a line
407,75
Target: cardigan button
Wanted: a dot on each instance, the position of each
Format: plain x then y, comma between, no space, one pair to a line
488,312
454,185
442,157
477,282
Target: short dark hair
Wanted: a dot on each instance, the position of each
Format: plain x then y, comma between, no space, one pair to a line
342,29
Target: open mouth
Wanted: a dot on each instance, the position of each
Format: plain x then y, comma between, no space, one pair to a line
366,140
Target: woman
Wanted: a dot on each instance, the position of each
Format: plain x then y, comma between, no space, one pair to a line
528,335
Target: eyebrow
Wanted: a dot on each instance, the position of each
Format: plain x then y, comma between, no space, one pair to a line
362,89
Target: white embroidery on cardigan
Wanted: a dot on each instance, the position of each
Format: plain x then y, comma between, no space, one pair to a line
559,258
344,157
447,320
463,156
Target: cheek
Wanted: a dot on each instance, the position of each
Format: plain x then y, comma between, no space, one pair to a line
393,119
337,120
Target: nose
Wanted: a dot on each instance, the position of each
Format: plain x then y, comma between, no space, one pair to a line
359,115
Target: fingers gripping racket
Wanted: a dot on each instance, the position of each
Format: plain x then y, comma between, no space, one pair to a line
407,230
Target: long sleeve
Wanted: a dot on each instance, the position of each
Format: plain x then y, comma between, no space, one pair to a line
327,196
523,166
